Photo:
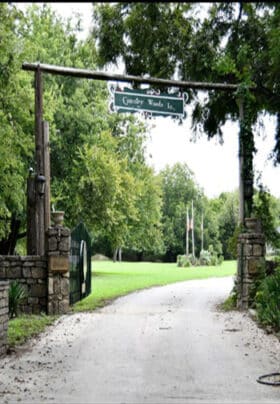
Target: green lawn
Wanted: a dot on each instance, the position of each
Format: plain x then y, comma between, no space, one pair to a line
111,280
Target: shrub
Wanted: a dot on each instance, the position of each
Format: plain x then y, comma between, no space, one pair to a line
205,257
220,259
210,257
183,261
16,295
268,301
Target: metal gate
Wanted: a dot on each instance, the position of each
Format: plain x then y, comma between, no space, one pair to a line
80,263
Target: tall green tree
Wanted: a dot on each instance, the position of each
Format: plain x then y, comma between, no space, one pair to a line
267,209
235,43
98,167
227,216
179,189
97,158
15,138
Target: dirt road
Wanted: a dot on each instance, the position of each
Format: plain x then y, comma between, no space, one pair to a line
162,345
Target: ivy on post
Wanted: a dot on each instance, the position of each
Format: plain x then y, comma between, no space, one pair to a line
246,152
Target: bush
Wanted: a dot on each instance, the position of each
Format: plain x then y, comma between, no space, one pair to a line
205,257
210,257
268,301
183,261
16,295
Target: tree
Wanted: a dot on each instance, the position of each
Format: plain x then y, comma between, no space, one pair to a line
267,209
235,43
179,189
86,140
227,216
16,140
146,236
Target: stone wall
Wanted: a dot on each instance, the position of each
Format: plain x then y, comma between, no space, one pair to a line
31,273
45,279
4,315
251,262
58,250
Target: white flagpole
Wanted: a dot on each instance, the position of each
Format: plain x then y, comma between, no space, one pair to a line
187,232
202,231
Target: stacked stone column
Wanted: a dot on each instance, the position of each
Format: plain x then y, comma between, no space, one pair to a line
251,262
58,252
4,315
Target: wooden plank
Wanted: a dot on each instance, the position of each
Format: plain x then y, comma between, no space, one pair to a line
90,74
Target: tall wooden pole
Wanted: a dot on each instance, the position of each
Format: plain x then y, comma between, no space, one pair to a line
39,156
47,173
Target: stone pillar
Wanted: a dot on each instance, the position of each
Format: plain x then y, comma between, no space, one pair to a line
4,315
251,262
58,252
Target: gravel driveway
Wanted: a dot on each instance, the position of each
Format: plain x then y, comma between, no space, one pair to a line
162,345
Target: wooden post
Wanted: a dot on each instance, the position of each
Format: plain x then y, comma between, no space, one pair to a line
39,144
31,216
241,164
47,195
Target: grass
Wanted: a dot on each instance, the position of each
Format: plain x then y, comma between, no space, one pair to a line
111,280
22,328
229,304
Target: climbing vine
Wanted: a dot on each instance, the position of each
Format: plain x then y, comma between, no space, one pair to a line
247,144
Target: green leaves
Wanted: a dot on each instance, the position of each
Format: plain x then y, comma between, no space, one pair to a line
16,296
268,301
234,43
178,190
267,209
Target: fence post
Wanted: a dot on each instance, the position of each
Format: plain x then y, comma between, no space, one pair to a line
4,315
251,262
58,252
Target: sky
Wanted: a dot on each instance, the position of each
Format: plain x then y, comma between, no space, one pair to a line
215,166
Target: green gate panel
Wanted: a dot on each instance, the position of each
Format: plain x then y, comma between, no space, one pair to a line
80,263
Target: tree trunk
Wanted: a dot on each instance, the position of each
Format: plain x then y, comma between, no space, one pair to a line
115,254
8,245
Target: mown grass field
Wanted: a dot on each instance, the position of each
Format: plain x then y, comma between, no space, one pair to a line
111,280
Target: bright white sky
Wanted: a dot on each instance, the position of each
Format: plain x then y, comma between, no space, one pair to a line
215,166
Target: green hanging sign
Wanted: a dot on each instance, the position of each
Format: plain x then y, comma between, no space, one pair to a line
148,102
